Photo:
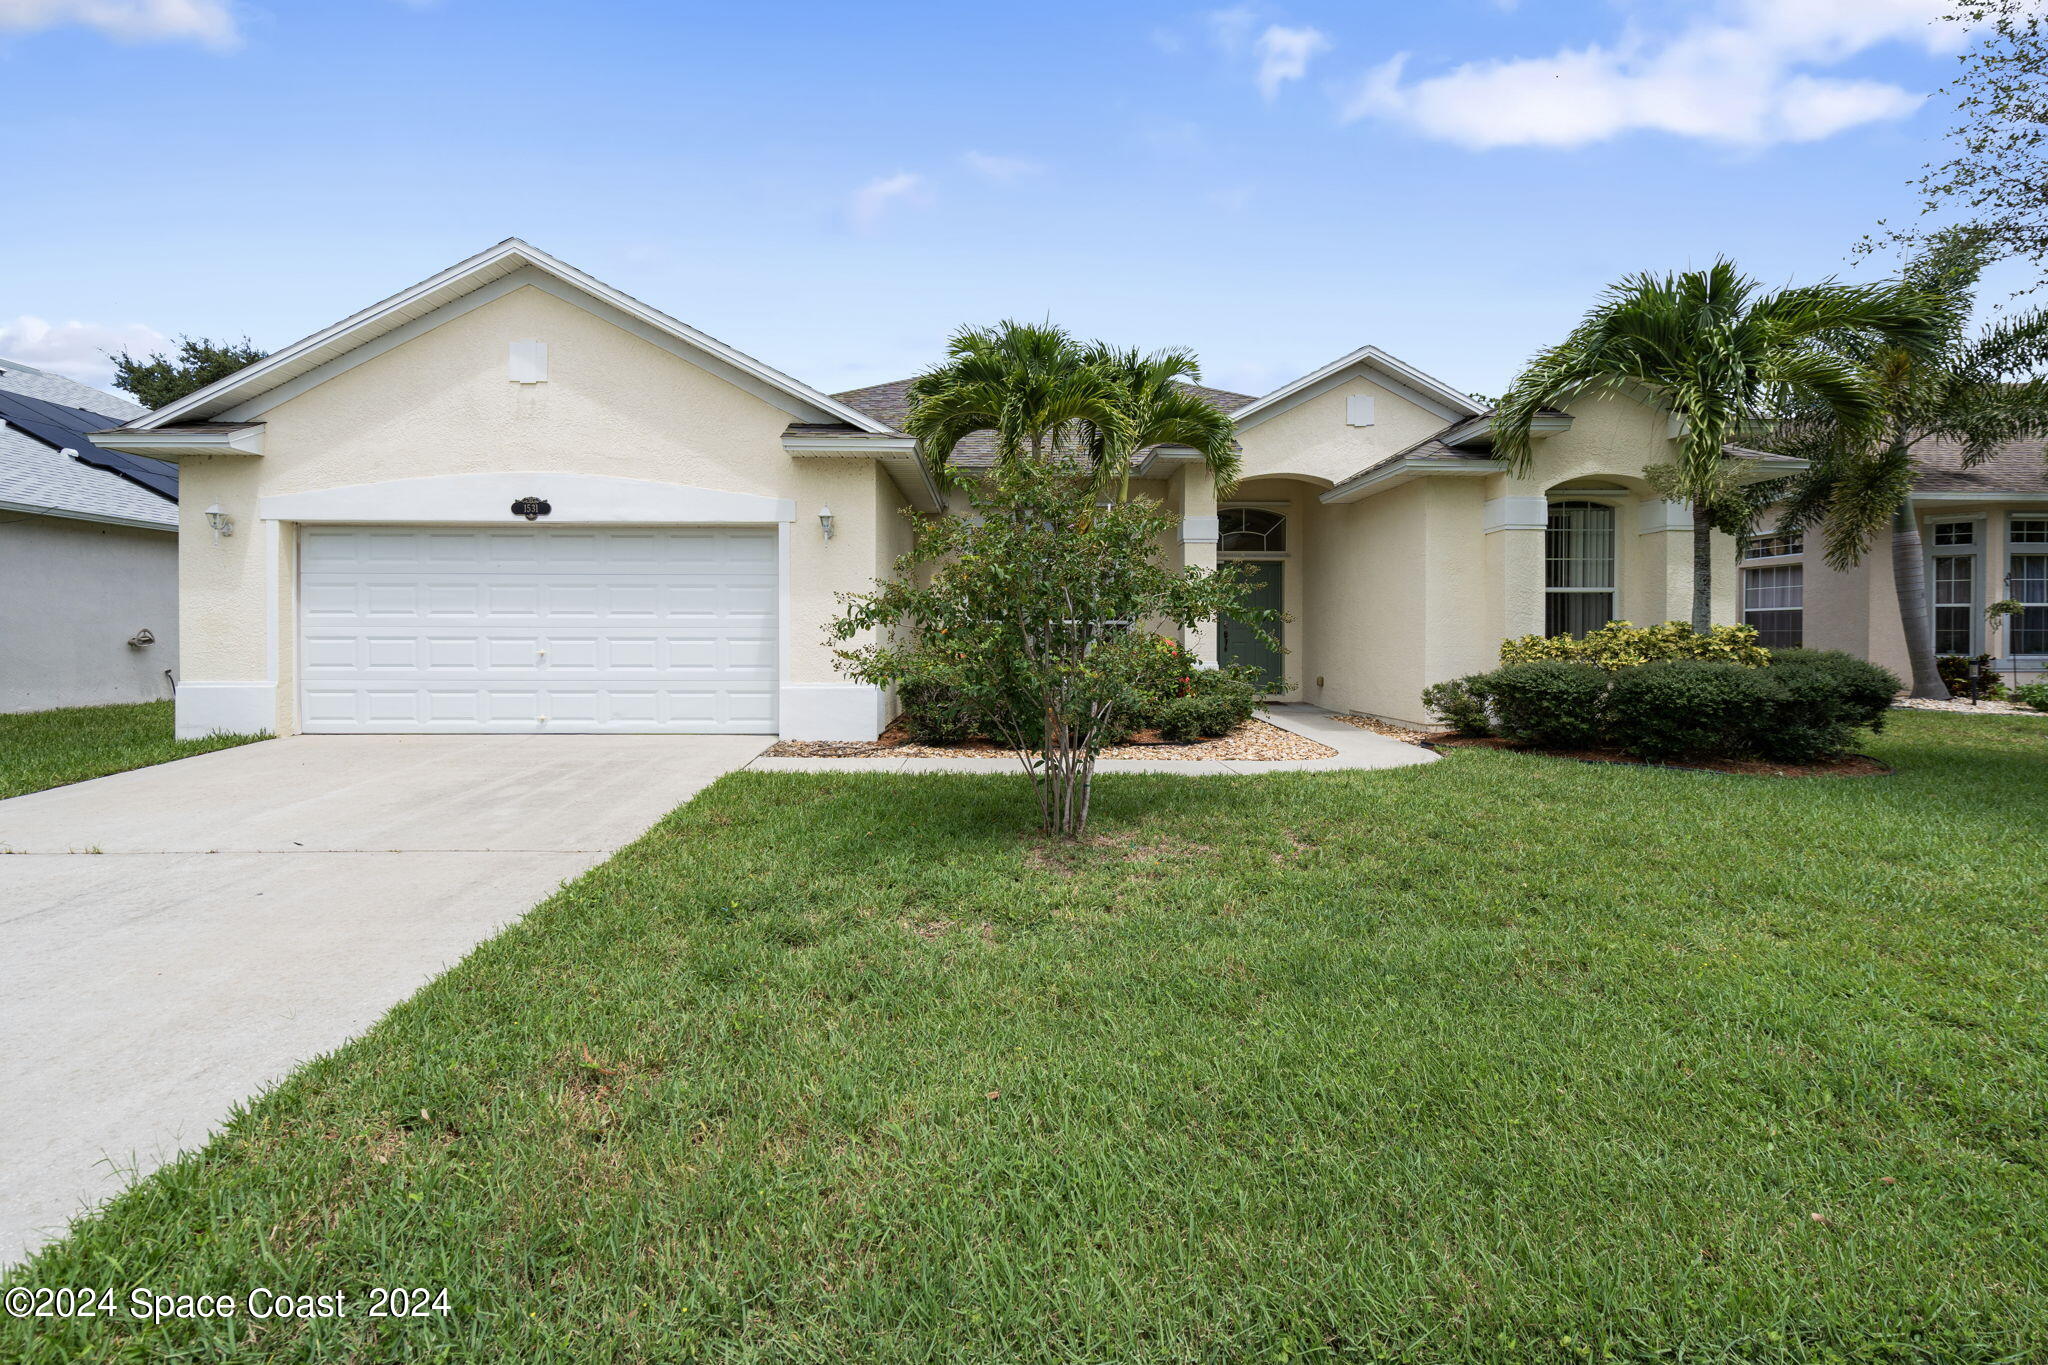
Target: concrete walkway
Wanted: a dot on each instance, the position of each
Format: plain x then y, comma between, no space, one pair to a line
175,939
1355,748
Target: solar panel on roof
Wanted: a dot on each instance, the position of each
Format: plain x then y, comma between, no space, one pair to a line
63,428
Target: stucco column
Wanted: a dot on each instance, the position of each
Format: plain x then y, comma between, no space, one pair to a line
1514,527
1198,534
1664,550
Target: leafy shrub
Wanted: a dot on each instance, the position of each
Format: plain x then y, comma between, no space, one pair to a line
1619,644
1959,670
2034,694
1160,671
1687,708
1218,701
1460,704
936,713
1827,697
1551,703
1187,719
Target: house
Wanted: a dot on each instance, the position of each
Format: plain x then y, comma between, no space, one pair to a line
1984,539
513,499
88,551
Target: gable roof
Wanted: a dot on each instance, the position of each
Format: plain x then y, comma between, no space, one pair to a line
303,357
1464,447
1426,390
37,477
890,403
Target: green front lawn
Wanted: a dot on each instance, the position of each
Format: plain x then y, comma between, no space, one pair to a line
41,749
1505,1058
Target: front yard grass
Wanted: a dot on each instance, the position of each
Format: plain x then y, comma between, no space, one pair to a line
40,749
1505,1058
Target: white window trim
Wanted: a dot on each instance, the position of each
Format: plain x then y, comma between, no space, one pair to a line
1280,509
1613,503
2012,549
1791,561
1975,554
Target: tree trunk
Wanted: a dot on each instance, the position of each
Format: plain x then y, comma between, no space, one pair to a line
1909,577
1702,572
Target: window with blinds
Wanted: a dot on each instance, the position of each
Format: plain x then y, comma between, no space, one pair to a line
1578,568
1774,601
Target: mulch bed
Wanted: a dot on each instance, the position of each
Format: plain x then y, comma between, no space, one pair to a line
1253,741
1848,765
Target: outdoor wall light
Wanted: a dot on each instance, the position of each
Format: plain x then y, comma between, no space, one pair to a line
825,521
221,522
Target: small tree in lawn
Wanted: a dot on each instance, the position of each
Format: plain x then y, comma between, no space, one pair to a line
1030,612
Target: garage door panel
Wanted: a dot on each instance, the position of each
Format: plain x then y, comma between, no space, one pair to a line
550,629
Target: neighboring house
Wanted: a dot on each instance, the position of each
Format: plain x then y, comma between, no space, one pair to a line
1984,538
88,551
513,499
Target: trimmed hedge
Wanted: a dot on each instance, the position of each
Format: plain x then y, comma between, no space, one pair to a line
1804,705
1551,703
1687,708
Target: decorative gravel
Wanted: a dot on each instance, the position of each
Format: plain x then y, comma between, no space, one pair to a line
1406,734
1253,741
1964,706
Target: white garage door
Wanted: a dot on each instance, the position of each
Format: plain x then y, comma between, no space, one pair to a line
537,630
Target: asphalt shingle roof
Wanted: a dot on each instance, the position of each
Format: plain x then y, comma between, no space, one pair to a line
34,475
2015,467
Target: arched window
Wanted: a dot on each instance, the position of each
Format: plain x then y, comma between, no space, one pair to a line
1578,568
1252,530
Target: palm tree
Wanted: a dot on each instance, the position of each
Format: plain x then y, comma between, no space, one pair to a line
1031,384
1980,391
1044,394
1162,410
1721,356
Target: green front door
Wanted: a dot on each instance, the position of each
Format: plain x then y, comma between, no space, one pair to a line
1238,643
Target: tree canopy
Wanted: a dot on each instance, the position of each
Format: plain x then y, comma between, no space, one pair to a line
162,378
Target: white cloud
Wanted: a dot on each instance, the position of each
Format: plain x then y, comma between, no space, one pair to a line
211,22
1230,29
1280,54
76,350
872,201
1284,55
1740,78
1000,168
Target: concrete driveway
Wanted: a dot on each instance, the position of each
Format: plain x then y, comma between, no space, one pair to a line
174,939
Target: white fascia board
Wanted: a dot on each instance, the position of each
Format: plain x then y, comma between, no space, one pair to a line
1425,391
1400,472
104,518
1994,497
1481,428
1149,468
846,444
459,279
899,454
172,444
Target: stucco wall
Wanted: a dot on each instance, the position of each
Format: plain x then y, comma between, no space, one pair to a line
441,404
1312,439
1364,620
72,593
1613,439
1857,609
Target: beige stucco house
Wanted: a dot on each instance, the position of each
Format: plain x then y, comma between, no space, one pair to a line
513,499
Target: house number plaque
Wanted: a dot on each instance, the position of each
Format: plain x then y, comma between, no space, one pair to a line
532,508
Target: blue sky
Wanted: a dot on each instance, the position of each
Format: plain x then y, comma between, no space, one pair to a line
834,187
